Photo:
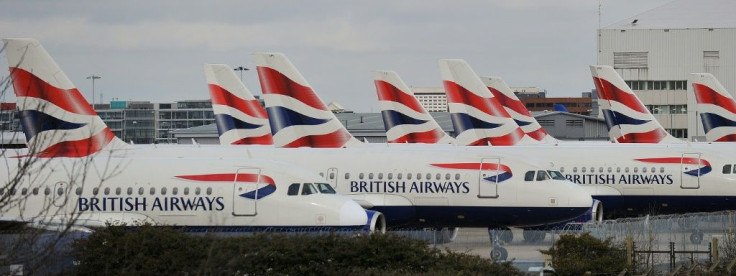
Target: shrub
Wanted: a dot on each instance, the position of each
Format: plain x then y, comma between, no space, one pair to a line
576,254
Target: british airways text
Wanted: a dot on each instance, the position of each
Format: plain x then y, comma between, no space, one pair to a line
165,204
419,187
620,179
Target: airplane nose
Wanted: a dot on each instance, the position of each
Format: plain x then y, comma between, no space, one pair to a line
352,214
578,197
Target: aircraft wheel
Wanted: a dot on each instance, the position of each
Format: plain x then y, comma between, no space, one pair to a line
499,253
505,235
533,236
696,238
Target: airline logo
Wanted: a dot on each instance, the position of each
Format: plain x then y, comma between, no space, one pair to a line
404,118
260,193
239,121
515,108
717,109
627,119
503,171
297,116
703,166
57,122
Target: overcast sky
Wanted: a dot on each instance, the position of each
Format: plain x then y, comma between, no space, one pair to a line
154,50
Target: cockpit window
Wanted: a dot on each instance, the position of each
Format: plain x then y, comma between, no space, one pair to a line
325,188
308,189
529,176
727,169
542,175
293,189
556,175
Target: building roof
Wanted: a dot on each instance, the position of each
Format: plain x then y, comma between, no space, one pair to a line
683,14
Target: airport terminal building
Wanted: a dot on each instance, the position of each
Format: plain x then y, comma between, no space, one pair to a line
655,52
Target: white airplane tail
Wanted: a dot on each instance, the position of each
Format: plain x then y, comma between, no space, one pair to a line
628,120
477,116
716,107
521,115
239,117
405,119
55,117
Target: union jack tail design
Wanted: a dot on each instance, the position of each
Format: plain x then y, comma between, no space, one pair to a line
478,117
298,117
405,119
239,117
55,117
521,115
716,107
627,119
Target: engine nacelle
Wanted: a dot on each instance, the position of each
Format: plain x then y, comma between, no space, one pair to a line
594,214
376,222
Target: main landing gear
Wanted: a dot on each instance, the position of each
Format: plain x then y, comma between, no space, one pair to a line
499,237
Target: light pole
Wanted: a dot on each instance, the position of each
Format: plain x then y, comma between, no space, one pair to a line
93,77
241,69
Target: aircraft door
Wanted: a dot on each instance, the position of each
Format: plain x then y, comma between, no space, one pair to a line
331,177
488,178
60,193
690,171
245,183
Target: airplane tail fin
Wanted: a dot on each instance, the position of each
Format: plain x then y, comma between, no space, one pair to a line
239,117
478,117
298,117
56,119
405,119
521,115
716,107
628,120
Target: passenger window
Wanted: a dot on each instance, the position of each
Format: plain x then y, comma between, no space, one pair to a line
347,175
47,191
618,169
644,169
197,191
390,176
542,175
419,176
610,169
186,191
60,191
322,174
654,170
582,169
12,191
163,191
2,191
529,176
457,176
332,175
447,176
429,176
152,191
562,169
24,191
398,176
360,176
408,176
380,175
209,190
636,169
130,190
78,191
438,176
140,191
175,190
293,189
107,191
118,191
626,169
574,169
661,169
370,176
35,191
600,170
592,170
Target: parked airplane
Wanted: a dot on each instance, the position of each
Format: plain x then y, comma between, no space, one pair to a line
404,118
521,115
77,174
716,107
239,116
628,120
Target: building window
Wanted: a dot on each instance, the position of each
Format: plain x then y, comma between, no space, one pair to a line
630,60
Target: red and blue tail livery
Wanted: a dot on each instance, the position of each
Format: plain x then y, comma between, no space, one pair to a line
239,117
404,118
55,117
478,117
521,115
716,107
628,120
298,117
